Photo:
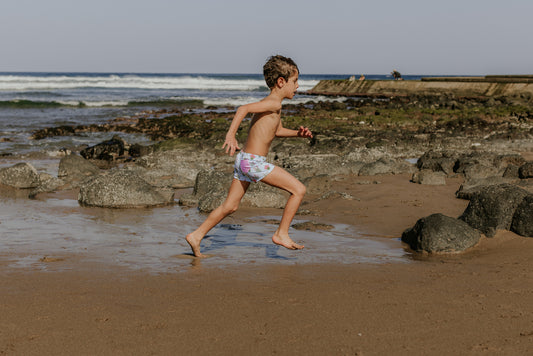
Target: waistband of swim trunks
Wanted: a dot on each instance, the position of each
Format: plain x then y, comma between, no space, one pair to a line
246,154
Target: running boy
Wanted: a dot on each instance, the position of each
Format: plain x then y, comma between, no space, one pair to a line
281,76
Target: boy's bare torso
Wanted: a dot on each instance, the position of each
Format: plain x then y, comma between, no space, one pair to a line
262,132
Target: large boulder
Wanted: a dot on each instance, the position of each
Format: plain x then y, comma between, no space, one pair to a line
438,233
107,150
73,167
122,189
522,223
493,208
21,175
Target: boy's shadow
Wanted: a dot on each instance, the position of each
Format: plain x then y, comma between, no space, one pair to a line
227,236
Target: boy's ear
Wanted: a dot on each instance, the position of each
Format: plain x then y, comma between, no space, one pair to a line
281,82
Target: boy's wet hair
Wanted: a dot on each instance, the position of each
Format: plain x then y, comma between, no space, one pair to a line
278,67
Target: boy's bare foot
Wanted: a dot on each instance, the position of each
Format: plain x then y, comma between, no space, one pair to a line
194,242
286,242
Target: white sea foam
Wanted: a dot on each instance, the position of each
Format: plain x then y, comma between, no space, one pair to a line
192,82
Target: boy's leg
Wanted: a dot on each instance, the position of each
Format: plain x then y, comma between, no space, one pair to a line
235,194
282,179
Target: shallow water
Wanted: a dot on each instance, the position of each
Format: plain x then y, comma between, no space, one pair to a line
39,234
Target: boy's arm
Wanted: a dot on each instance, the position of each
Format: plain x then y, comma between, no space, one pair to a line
264,105
301,132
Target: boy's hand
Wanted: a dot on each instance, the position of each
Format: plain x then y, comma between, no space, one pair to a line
304,132
232,145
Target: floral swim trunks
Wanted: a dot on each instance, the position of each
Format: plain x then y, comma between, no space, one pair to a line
250,167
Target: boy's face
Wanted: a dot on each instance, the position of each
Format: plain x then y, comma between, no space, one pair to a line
291,85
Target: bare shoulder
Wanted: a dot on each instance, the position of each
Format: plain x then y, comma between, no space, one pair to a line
266,105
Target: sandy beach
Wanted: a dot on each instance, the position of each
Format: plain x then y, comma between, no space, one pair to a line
474,303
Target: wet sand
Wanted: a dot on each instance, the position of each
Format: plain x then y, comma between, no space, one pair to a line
354,290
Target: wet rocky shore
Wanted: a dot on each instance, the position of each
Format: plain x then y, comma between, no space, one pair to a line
485,141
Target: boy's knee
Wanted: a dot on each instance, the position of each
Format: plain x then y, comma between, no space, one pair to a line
300,190
230,208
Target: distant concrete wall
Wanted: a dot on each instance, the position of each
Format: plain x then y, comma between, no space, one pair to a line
420,87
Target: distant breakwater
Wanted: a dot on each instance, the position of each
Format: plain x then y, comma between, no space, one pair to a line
488,86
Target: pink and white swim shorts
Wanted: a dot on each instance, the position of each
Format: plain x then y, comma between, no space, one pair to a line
250,167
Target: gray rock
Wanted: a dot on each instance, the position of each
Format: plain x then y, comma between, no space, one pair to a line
209,202
478,170
21,175
47,183
271,198
209,181
474,186
526,170
73,167
438,161
493,208
122,189
438,233
522,223
176,168
429,177
474,158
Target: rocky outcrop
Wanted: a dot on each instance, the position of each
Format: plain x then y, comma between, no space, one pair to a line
438,233
122,189
493,208
21,175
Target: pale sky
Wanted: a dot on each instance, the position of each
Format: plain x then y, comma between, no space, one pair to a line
461,37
